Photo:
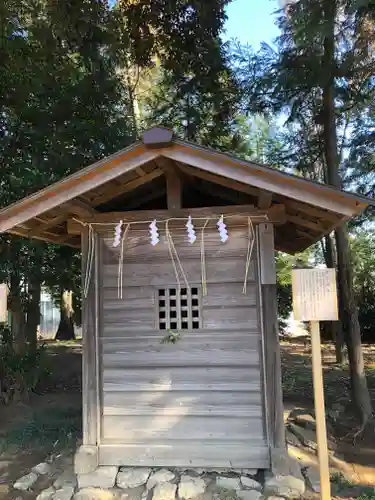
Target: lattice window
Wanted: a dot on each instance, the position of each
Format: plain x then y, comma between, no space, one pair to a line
179,309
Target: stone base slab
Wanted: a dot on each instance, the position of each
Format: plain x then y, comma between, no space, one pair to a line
86,459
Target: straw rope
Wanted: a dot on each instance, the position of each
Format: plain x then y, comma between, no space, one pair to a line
176,262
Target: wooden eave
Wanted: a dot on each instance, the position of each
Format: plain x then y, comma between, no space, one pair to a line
311,209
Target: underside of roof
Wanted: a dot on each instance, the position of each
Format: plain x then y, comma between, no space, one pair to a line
135,179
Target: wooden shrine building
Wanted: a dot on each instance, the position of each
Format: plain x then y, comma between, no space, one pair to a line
181,362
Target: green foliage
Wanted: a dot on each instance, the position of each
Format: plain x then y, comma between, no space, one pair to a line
63,106
194,92
171,337
284,287
53,428
363,258
360,163
367,496
290,82
199,108
319,82
20,372
69,110
64,276
284,266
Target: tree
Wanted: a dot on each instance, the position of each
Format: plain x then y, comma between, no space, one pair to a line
63,282
72,75
363,250
348,309
320,79
67,112
193,90
74,106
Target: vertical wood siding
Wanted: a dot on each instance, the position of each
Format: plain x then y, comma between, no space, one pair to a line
198,402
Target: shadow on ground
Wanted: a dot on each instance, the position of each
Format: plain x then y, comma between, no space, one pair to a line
47,424
352,461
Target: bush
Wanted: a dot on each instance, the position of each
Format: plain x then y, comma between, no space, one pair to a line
20,373
47,427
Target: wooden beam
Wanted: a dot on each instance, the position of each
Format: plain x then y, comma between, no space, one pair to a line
43,226
90,312
140,200
220,192
173,181
140,171
300,221
126,187
264,199
306,235
275,214
289,203
174,191
79,208
267,254
47,237
70,241
76,207
216,179
302,207
286,240
271,344
166,164
266,178
75,185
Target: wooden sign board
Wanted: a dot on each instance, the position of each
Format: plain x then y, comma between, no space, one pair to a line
3,303
314,294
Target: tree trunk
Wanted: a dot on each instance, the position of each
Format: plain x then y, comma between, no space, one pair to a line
77,308
17,314
360,392
336,326
65,330
33,312
131,90
349,311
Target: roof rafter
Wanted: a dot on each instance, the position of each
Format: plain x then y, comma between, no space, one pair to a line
265,178
127,186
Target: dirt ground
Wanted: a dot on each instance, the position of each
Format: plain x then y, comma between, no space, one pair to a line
356,457
298,387
49,423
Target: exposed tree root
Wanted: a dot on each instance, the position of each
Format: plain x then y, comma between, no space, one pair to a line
366,421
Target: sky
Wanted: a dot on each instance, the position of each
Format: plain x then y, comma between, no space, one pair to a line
251,21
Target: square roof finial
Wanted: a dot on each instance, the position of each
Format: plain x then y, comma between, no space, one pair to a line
157,137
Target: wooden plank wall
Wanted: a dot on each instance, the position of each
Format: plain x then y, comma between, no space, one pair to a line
198,402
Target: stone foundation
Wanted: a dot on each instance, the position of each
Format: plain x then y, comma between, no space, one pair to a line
86,459
58,479
141,483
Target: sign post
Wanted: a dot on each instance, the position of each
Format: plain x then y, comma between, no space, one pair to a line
314,300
